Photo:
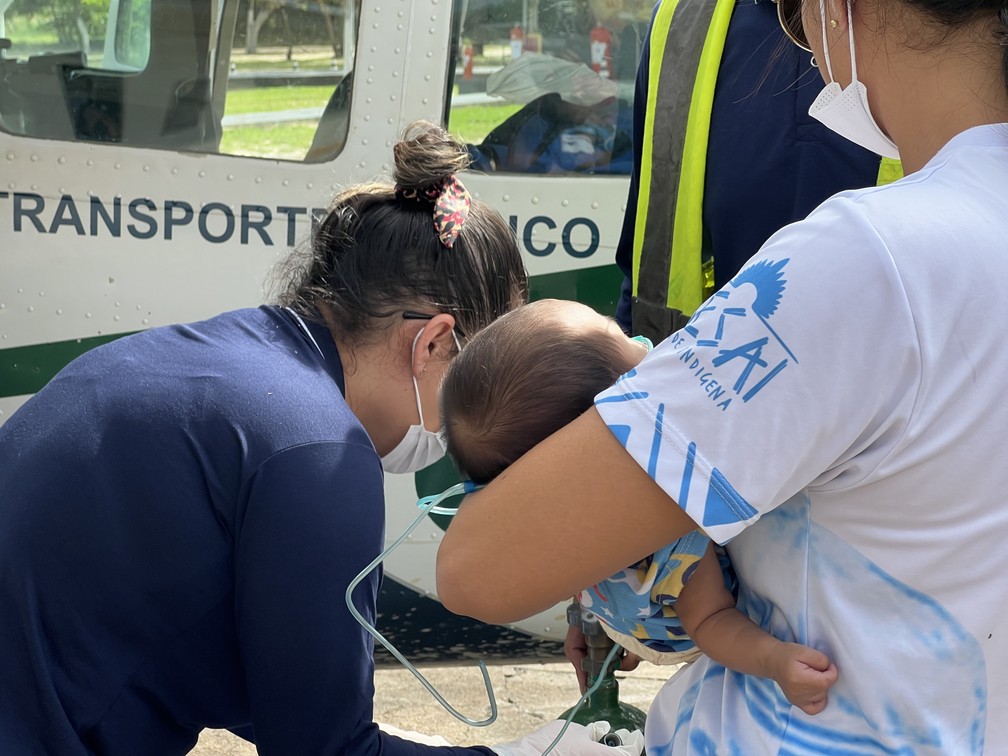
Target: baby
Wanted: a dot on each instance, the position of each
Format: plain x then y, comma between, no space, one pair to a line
530,373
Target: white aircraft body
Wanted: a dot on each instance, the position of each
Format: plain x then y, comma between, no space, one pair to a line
158,157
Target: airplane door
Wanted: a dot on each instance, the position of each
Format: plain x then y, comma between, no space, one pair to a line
551,137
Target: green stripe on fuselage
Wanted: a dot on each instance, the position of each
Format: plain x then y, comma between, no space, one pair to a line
599,287
26,369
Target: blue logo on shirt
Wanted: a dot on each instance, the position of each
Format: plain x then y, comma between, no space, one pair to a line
730,353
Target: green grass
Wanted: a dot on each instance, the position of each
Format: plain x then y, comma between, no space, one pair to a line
473,122
290,141
269,99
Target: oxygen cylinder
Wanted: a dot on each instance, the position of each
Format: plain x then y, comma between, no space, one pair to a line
604,703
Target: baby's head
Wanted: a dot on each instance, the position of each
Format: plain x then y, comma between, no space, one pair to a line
525,376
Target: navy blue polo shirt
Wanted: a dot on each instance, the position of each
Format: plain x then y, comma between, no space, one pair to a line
768,162
180,514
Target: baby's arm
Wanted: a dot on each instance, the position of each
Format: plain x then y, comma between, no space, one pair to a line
708,613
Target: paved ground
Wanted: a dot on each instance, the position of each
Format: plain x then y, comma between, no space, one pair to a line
528,696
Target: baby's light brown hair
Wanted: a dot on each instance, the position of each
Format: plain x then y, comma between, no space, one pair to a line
519,380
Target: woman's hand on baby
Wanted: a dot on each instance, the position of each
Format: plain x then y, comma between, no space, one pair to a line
804,674
576,649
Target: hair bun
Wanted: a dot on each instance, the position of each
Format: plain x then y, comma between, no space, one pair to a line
425,156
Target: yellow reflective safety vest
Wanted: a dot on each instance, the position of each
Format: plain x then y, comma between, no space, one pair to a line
670,278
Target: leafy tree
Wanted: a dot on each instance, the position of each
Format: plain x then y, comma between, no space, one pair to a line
75,22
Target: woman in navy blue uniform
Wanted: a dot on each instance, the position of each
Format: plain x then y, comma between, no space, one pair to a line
182,510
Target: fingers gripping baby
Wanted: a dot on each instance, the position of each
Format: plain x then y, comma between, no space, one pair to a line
530,373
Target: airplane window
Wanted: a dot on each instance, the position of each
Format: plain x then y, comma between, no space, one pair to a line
47,44
259,78
36,28
288,89
546,86
131,37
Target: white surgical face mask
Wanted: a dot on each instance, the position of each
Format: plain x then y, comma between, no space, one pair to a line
846,111
419,447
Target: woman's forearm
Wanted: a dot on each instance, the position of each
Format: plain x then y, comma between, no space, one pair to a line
574,510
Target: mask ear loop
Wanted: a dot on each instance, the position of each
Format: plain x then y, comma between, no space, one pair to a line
459,488
850,38
825,42
416,386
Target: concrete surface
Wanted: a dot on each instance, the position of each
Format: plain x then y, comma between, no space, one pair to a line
528,696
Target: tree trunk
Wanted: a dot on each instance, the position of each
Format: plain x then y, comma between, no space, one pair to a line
332,30
256,23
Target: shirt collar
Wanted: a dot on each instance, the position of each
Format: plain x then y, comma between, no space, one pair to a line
319,341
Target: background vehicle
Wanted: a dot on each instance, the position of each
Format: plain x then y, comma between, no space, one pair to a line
157,157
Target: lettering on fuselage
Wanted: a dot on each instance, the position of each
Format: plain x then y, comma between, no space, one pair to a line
542,249
141,218
220,223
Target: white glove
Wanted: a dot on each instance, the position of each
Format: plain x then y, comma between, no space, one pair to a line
578,740
629,743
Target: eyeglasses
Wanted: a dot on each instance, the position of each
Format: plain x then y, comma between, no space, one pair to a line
789,15
456,331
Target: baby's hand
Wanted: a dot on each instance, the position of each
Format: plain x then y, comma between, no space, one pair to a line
804,675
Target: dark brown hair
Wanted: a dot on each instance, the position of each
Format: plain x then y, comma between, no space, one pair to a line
948,16
952,14
520,380
376,253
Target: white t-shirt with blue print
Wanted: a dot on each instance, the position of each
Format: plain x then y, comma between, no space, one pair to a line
836,416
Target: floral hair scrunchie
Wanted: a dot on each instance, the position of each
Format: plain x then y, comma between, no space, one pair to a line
451,206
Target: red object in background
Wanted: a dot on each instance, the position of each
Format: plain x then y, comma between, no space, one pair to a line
601,43
467,62
517,41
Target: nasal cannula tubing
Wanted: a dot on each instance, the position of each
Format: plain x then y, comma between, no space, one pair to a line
427,505
584,697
